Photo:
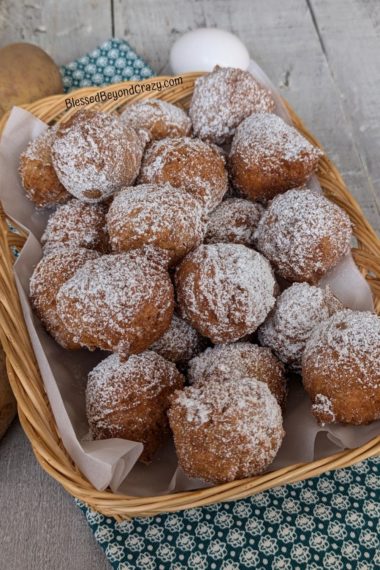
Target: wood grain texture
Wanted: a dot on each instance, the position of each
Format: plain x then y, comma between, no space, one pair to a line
324,57
40,526
66,30
349,32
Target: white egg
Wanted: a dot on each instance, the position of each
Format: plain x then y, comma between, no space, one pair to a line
202,49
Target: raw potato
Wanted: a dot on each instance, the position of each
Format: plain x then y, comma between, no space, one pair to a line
27,74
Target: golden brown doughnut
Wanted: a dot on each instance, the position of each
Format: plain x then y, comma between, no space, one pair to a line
240,360
303,235
129,399
225,290
122,303
226,430
233,221
38,176
159,118
95,155
180,342
156,215
222,99
49,275
191,164
298,310
268,157
341,368
77,224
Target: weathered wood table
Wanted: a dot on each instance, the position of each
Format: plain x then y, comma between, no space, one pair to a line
324,57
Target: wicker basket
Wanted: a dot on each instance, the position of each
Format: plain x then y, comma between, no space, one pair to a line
34,410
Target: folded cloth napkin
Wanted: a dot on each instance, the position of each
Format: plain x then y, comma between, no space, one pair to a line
112,62
329,522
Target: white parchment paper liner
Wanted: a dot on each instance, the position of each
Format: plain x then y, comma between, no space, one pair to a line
113,462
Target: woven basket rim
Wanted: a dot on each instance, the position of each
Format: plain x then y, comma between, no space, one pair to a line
34,410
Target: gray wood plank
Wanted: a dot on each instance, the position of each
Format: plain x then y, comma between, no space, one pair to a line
40,526
285,42
66,30
349,31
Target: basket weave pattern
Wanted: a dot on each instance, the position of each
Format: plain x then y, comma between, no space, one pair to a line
33,407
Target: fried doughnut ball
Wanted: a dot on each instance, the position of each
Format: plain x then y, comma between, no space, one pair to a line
222,99
122,303
38,176
233,221
297,311
303,235
159,118
269,157
129,399
48,277
226,430
240,360
180,342
156,215
225,290
341,368
95,155
77,224
191,164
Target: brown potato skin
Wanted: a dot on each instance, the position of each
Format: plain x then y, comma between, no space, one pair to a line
27,73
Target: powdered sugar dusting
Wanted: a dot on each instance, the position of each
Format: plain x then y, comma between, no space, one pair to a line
234,221
160,215
49,275
264,138
222,99
236,361
40,147
202,403
38,176
323,408
303,234
95,154
77,224
127,384
225,290
119,302
236,428
180,342
351,340
297,312
160,118
191,164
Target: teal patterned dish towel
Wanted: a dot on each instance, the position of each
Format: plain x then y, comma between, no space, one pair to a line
112,62
331,522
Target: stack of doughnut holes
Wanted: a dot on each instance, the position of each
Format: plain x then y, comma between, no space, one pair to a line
190,247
